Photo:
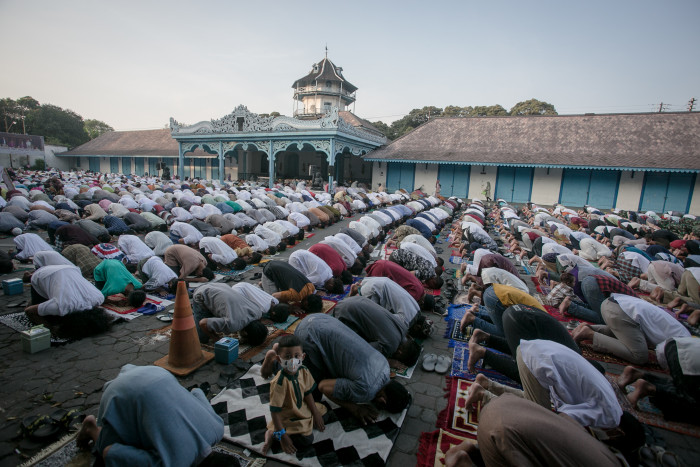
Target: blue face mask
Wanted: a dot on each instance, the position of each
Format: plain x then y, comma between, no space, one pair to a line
291,365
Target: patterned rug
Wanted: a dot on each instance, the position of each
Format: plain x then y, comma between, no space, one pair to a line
652,364
648,414
244,406
455,313
19,322
65,452
338,297
433,447
234,273
459,260
456,417
125,310
459,367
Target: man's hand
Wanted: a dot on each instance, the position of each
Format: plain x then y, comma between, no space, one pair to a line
364,413
318,421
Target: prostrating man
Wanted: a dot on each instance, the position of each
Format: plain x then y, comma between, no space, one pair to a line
66,303
288,285
219,309
112,277
383,330
188,263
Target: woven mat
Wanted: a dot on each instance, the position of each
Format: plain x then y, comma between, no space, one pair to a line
648,414
433,446
244,407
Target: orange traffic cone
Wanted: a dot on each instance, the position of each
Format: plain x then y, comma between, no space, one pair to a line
185,354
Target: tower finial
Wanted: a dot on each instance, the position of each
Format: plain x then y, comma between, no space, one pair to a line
326,50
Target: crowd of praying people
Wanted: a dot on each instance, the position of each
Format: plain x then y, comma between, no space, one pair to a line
113,239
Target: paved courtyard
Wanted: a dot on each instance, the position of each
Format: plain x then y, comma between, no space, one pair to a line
72,376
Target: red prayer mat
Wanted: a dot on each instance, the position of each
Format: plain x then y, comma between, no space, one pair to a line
124,310
455,417
433,447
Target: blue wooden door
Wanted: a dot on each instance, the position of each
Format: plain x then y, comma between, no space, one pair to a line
126,165
654,192
399,175
114,165
138,165
446,175
454,180
94,164
680,192
667,192
514,184
153,166
522,184
602,191
574,187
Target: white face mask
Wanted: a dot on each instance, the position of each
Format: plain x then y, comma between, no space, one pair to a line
291,365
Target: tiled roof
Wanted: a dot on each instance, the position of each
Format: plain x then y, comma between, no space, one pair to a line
658,140
129,143
358,122
326,71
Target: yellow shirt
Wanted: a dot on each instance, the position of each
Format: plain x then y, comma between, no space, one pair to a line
511,296
287,394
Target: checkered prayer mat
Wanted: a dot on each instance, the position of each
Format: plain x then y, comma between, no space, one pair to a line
19,322
244,407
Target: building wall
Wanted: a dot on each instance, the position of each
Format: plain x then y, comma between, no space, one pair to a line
695,201
61,163
378,174
545,187
426,177
629,190
478,181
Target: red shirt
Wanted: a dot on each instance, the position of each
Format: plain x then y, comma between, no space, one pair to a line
331,257
398,274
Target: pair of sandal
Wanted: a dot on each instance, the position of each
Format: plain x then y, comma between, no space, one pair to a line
43,427
437,363
652,456
150,309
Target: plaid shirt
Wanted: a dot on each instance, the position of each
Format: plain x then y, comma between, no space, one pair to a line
558,294
83,257
608,286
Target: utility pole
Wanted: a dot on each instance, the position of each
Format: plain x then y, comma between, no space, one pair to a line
691,104
661,107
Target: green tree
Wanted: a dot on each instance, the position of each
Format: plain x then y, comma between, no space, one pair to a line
456,111
488,111
383,128
58,126
95,128
533,107
9,112
415,118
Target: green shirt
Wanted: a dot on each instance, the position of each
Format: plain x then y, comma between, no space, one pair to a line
115,276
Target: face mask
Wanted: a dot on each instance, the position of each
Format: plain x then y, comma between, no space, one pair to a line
291,365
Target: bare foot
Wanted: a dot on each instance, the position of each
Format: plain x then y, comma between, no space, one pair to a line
476,353
458,456
479,336
89,432
642,388
694,317
354,289
582,333
483,381
673,303
658,295
476,392
268,441
629,374
634,283
564,305
467,319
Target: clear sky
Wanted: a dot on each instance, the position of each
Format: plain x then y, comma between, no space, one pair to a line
135,64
